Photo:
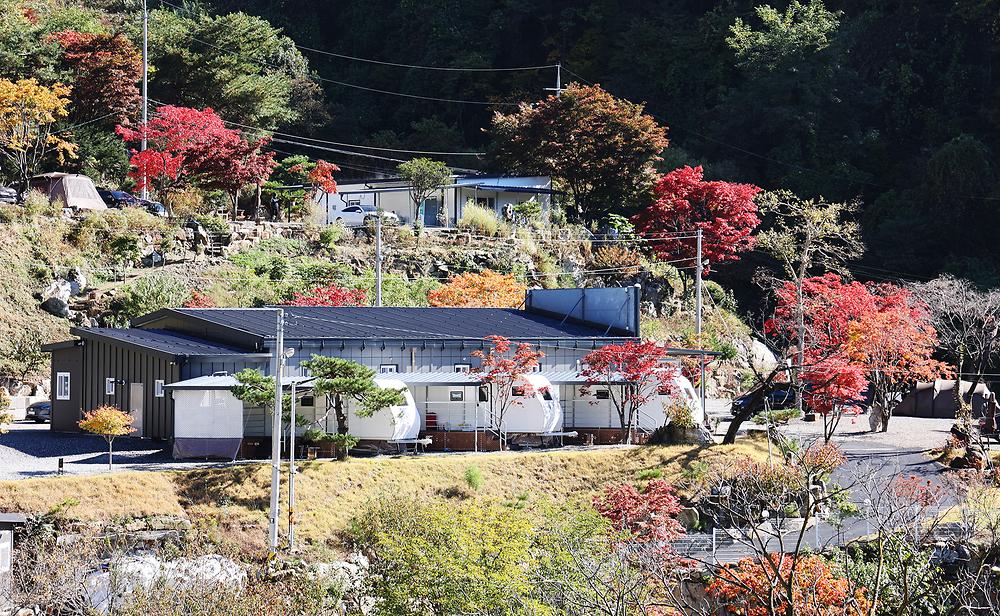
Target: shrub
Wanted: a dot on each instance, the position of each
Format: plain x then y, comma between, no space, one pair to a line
622,262
649,473
487,289
148,294
527,212
213,223
331,235
479,220
474,477
36,203
187,202
722,298
680,415
5,416
779,417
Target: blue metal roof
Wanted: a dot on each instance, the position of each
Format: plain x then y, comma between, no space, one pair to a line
349,323
164,342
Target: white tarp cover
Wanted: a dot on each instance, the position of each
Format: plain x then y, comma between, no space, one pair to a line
538,413
208,423
77,192
395,423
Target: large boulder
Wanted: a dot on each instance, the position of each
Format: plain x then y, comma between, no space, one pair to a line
59,289
57,306
77,281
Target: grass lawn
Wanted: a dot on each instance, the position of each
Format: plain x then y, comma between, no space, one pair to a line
329,493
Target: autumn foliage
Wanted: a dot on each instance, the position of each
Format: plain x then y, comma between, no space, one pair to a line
199,300
758,588
330,295
186,145
644,516
109,422
503,367
486,289
28,114
724,211
106,68
634,373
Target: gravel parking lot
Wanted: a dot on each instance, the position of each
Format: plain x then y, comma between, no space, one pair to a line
32,450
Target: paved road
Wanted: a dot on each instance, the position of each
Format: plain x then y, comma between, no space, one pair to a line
32,450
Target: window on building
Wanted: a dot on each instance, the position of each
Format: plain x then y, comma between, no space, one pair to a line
354,202
487,202
109,386
484,394
517,390
158,388
463,368
62,386
388,368
307,401
456,395
546,393
602,394
537,367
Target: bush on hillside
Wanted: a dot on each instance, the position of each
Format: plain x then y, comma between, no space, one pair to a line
147,294
479,220
614,262
331,235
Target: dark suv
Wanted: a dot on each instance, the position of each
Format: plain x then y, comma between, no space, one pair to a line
119,199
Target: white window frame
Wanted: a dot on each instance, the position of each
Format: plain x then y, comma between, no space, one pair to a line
537,367
463,368
62,386
388,368
109,386
356,202
158,388
456,395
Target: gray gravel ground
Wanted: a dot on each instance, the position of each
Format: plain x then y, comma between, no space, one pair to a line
32,450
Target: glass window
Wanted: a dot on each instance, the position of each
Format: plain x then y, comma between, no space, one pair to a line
456,395
484,394
388,368
62,386
517,390
464,368
158,388
307,401
109,386
602,394
546,393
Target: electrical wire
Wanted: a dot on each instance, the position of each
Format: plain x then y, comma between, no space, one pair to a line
397,64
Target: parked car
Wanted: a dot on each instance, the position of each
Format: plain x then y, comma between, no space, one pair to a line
8,195
358,215
781,397
39,412
119,199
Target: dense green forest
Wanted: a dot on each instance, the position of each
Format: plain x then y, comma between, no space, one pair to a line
894,104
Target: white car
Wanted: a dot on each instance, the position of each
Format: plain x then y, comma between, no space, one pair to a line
359,215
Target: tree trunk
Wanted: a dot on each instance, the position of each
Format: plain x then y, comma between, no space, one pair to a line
109,455
747,413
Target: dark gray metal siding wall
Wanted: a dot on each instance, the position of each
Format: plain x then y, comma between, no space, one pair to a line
65,413
102,360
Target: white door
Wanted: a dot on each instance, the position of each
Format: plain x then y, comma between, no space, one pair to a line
135,398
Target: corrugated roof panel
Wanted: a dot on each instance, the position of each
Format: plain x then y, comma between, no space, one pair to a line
396,323
164,341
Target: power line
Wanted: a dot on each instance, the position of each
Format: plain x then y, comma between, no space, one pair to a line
470,69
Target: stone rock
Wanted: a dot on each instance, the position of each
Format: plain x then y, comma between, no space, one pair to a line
57,306
105,589
764,360
77,281
59,289
689,518
153,259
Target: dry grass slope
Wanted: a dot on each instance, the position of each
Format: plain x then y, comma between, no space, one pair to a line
235,499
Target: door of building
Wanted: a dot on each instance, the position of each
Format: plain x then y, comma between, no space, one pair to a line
431,212
135,406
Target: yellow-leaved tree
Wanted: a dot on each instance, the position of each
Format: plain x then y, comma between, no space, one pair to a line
487,289
109,422
29,112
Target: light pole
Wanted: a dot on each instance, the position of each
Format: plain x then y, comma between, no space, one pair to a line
145,87
277,366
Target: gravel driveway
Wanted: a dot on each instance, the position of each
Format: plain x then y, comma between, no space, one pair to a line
32,450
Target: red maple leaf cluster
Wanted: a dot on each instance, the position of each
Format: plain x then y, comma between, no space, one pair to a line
106,68
644,516
330,295
640,364
724,211
185,144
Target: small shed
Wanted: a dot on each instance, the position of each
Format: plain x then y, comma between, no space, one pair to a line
937,399
208,418
75,190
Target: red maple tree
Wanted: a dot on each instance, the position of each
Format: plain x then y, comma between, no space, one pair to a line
834,381
502,371
642,516
330,295
106,68
199,300
186,145
724,211
633,374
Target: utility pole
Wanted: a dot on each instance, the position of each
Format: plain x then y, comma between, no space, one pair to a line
699,266
558,89
291,473
277,366
145,87
378,257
